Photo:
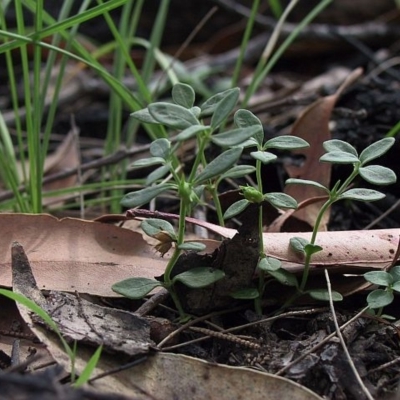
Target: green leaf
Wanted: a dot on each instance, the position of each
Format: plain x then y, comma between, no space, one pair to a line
144,116
286,142
209,106
296,181
323,295
200,277
172,115
362,195
224,108
153,226
264,156
192,246
252,194
379,298
244,119
395,272
376,149
191,132
339,145
311,249
157,174
143,196
269,264
381,278
160,148
378,175
339,157
281,200
135,288
245,294
299,244
284,277
238,171
233,137
147,162
236,208
183,95
90,366
219,165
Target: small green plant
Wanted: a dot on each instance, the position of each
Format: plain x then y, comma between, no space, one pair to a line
71,352
266,265
189,185
380,298
340,152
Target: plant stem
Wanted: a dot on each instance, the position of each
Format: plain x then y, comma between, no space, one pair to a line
332,198
174,258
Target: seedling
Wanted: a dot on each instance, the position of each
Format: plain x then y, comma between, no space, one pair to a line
340,152
271,266
380,298
183,116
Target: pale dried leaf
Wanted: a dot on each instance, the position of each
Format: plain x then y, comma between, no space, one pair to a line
168,374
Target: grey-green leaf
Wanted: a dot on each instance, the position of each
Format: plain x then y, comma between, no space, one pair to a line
339,145
323,295
281,200
245,294
234,137
245,118
284,277
153,226
191,132
219,165
143,196
306,182
379,298
224,108
380,278
269,264
157,174
183,95
339,157
209,106
238,171
378,175
286,142
135,288
147,162
236,208
160,148
192,246
395,272
362,195
172,115
396,286
199,277
311,249
376,149
298,244
264,156
144,116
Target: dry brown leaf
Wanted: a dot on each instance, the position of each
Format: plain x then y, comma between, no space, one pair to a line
313,126
76,255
